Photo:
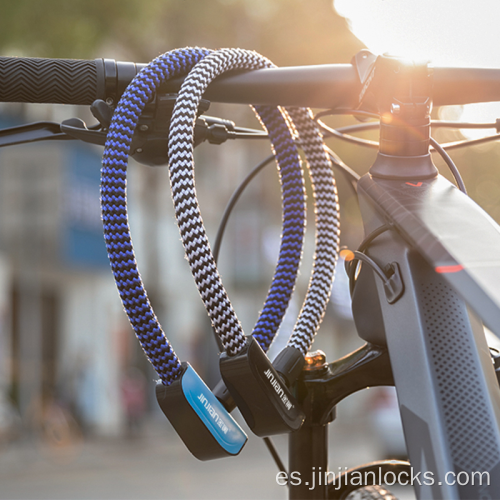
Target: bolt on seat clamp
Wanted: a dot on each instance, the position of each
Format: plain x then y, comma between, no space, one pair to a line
265,402
203,424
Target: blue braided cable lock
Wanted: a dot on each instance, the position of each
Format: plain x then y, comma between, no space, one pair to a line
183,411
200,420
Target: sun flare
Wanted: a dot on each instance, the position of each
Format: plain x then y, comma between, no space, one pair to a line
447,32
461,33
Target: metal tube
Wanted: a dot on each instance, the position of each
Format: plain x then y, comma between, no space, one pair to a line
308,463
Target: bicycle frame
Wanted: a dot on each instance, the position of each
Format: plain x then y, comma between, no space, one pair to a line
439,360
445,250
447,389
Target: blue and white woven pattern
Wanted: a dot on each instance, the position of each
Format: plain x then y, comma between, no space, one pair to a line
114,207
276,121
115,220
190,223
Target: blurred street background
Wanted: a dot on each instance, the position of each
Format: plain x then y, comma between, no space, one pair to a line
78,417
157,466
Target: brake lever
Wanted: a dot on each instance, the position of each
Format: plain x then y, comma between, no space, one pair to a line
34,132
70,129
77,129
149,145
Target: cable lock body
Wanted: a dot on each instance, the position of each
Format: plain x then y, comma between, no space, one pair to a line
200,420
264,400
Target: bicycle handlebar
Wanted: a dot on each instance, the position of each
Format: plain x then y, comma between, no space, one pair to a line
75,81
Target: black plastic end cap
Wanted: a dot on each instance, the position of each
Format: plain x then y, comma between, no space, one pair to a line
221,392
289,363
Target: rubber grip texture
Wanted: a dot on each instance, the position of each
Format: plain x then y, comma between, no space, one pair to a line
66,81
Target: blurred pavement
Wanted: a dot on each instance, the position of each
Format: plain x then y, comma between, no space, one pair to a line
157,466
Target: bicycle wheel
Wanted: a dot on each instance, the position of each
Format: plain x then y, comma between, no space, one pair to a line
374,492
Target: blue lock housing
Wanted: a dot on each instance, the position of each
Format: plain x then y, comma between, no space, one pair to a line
200,420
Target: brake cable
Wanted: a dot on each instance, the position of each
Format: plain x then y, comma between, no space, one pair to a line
440,149
232,202
343,133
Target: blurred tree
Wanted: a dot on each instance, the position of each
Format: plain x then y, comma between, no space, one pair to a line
76,29
286,31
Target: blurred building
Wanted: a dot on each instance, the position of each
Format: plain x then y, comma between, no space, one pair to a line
64,337
60,313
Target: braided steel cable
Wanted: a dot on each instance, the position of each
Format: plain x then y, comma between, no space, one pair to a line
193,234
294,207
114,207
115,219
326,212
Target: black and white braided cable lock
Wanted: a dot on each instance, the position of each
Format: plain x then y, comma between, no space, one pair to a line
327,221
191,226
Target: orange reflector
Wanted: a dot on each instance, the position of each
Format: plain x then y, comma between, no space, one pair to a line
314,360
347,254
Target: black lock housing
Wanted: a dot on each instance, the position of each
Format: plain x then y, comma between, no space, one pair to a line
264,400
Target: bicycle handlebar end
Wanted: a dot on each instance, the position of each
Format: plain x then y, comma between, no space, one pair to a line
63,81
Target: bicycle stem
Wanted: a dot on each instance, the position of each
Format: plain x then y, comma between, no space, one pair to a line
401,93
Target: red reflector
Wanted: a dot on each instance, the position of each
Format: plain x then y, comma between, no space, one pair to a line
449,269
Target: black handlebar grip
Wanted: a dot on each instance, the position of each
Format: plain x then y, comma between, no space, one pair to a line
66,81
